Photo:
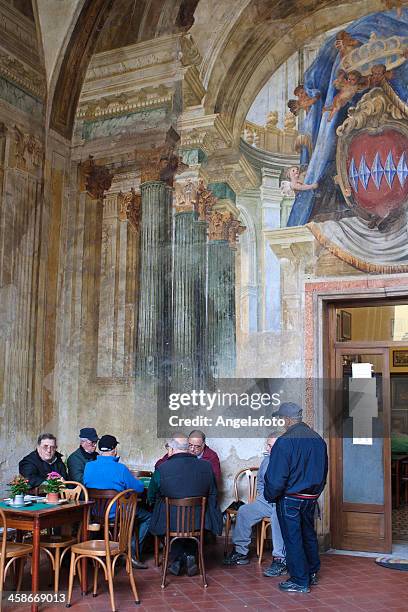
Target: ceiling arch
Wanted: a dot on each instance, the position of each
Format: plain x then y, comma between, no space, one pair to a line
261,42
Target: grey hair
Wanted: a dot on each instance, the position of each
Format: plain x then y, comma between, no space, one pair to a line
178,445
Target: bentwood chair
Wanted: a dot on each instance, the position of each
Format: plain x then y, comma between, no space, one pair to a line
9,553
246,476
261,536
101,499
106,552
56,546
183,521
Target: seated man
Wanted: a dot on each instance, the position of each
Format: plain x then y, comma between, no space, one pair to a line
86,451
107,473
40,462
249,515
198,447
184,475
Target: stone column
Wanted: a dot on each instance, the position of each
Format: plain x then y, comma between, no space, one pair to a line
154,317
189,363
223,232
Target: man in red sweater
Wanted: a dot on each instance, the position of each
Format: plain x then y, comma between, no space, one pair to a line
198,447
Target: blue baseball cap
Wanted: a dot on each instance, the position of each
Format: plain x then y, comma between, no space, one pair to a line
89,433
290,410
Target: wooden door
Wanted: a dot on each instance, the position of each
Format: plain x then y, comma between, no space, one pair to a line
361,479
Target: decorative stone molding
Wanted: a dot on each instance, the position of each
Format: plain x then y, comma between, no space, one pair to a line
97,179
185,196
159,164
28,151
120,104
224,226
193,89
189,55
18,34
130,208
205,202
15,71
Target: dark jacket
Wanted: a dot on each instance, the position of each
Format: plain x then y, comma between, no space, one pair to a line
297,464
208,455
76,463
184,475
36,470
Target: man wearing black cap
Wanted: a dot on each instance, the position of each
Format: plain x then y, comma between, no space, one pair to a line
107,473
86,452
295,477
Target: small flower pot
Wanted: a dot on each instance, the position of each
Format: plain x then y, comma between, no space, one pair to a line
52,498
19,500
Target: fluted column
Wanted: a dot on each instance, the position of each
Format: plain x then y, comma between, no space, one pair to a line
223,232
189,362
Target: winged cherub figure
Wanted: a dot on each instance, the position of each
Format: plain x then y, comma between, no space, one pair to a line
304,101
348,85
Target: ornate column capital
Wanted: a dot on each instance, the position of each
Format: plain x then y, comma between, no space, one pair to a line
130,208
224,226
192,195
97,179
159,164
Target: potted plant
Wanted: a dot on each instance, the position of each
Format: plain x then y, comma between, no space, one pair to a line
52,486
18,487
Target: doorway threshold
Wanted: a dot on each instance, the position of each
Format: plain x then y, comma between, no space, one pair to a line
399,551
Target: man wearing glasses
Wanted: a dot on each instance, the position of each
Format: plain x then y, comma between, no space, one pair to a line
42,461
85,453
198,447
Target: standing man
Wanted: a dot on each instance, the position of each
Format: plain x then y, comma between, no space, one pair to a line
86,452
295,477
251,514
40,462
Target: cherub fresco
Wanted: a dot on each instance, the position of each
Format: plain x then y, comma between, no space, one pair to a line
345,43
295,182
304,101
348,85
378,74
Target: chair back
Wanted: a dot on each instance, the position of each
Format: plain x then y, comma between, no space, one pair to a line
182,519
101,499
142,473
126,504
3,526
247,476
74,493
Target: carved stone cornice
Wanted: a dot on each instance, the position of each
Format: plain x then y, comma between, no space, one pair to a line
27,150
119,104
193,89
15,71
130,208
96,179
159,164
224,226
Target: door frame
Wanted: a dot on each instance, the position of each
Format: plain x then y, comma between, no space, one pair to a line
327,302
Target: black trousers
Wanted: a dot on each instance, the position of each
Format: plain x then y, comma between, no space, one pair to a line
296,520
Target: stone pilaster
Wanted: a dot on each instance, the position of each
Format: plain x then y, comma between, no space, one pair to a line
223,232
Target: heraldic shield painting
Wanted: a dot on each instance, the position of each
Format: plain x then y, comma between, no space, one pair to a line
354,143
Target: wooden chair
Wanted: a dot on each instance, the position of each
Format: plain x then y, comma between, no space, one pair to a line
251,474
9,553
106,552
142,473
101,497
55,546
185,523
261,536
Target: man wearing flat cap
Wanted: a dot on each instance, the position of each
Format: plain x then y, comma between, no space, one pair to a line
108,473
85,452
294,479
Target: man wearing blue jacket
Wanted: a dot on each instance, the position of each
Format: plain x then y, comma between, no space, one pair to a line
295,477
107,473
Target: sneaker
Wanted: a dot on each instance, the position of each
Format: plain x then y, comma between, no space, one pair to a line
291,587
138,564
314,579
235,558
277,568
191,565
175,567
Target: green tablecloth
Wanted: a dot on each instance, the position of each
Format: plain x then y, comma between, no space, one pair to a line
36,506
399,443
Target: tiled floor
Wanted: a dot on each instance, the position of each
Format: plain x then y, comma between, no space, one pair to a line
346,583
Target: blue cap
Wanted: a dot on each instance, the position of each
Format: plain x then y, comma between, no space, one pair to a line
290,410
89,433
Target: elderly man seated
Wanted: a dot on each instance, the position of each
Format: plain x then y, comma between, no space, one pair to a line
45,459
198,447
86,451
183,475
107,473
249,515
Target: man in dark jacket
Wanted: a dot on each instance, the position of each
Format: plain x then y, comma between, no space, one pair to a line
42,461
295,477
184,475
86,452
